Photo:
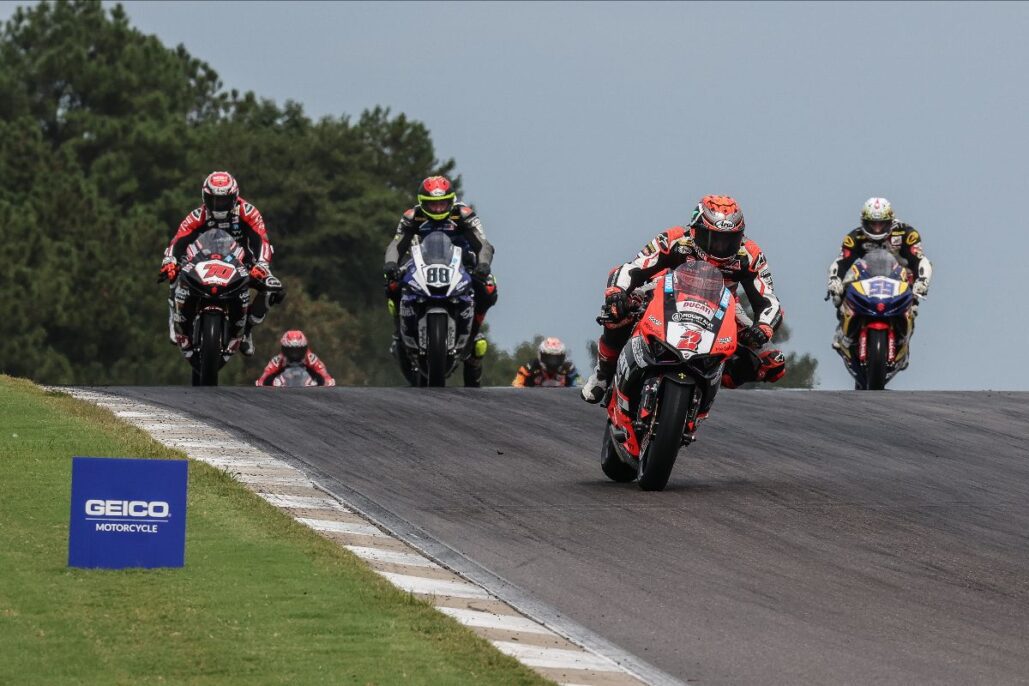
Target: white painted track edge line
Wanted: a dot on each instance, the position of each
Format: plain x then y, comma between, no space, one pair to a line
614,658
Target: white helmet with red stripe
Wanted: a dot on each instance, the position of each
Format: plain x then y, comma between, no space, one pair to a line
552,354
294,345
220,193
877,218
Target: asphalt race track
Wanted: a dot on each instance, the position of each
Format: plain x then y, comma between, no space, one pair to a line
808,537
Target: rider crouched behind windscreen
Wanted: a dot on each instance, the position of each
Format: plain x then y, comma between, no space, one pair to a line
716,235
222,208
439,210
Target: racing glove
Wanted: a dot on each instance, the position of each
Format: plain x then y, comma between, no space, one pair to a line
920,289
169,269
276,290
391,272
835,290
756,336
616,303
260,271
481,270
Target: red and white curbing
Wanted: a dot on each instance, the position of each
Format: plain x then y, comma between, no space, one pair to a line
549,653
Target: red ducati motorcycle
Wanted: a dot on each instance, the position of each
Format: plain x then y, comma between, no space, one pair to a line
685,330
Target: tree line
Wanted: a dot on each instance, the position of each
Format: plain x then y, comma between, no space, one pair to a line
105,137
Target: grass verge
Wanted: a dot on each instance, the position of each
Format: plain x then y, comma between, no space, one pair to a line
262,599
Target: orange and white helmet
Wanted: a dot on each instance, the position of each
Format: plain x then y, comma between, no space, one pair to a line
718,226
294,345
552,354
220,193
877,218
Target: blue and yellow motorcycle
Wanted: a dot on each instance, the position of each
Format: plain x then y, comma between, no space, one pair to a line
877,316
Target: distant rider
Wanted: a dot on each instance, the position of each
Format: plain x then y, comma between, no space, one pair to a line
222,208
715,234
879,229
439,210
549,368
294,351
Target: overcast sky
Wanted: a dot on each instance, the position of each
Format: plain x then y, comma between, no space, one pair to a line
582,130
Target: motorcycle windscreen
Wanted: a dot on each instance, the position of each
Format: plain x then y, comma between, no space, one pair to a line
296,376
216,242
880,263
695,304
437,248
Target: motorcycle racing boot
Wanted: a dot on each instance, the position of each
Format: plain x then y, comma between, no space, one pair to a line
172,337
473,363
841,344
246,344
596,386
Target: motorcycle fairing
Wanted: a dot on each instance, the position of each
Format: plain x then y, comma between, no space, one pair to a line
214,277
435,280
687,331
878,295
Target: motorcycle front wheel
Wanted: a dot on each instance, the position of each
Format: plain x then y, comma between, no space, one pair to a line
210,348
876,361
436,328
657,460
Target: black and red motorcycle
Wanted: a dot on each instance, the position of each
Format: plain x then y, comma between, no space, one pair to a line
213,291
684,332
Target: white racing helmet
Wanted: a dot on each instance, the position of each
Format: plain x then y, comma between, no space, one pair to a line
877,218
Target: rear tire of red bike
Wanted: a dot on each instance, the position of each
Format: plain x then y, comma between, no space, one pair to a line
657,461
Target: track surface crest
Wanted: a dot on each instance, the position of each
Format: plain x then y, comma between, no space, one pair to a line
807,537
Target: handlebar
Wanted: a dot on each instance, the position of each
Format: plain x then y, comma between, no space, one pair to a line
637,306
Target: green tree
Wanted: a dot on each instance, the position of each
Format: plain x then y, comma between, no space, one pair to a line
500,366
105,137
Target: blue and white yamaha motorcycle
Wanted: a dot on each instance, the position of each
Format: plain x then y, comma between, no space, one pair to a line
437,307
878,316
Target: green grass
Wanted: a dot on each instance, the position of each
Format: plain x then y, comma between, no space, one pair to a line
261,600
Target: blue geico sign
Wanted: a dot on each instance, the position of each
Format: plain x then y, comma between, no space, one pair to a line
127,513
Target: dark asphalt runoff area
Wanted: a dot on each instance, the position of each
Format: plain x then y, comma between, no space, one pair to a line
807,537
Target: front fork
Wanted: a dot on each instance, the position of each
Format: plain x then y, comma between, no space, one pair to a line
646,408
891,337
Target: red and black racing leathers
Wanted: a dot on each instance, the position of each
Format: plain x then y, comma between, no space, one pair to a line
311,362
748,269
246,225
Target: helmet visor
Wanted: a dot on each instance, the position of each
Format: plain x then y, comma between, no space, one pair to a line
720,244
220,203
437,209
876,228
551,361
294,353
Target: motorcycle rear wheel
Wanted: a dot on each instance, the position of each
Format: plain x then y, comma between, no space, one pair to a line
611,463
657,460
875,365
436,351
210,348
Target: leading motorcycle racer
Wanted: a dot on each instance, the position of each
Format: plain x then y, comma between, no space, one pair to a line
715,234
